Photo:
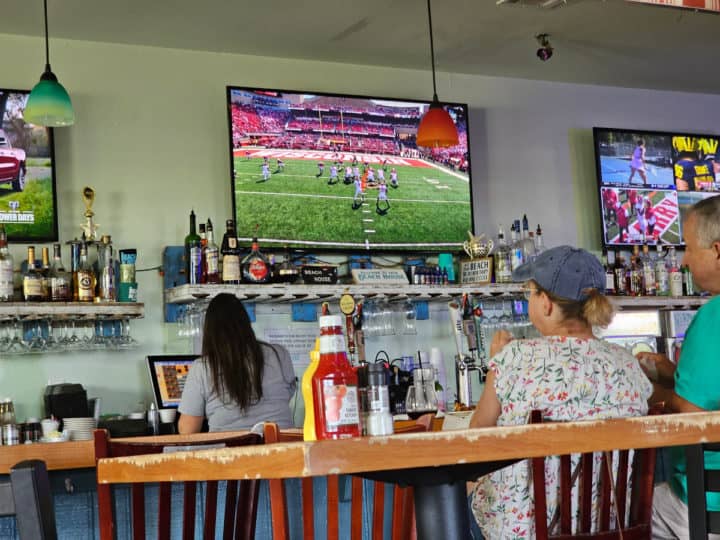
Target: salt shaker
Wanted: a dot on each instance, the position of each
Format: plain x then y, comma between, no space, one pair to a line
379,419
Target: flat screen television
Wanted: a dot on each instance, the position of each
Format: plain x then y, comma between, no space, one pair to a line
28,200
339,172
647,180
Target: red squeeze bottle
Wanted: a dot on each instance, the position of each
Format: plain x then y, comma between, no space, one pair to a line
335,385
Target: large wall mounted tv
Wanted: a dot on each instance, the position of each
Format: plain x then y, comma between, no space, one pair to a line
28,202
647,180
339,172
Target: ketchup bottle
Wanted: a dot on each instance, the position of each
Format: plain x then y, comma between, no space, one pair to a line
335,385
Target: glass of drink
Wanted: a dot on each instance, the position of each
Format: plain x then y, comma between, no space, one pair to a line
421,399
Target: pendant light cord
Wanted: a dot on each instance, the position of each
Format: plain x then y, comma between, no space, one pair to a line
432,49
47,41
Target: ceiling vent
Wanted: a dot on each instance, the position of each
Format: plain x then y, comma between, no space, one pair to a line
544,4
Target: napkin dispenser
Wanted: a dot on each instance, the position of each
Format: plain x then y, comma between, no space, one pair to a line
66,401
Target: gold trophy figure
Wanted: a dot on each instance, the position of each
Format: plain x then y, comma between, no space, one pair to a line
477,246
89,227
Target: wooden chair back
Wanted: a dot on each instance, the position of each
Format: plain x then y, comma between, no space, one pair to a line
403,507
612,488
240,505
699,482
27,496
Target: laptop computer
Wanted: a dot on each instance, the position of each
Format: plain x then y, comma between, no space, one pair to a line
167,375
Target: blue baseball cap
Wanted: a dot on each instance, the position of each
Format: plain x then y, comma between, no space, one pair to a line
564,271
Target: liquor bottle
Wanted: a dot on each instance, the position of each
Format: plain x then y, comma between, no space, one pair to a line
619,271
6,268
231,255
45,271
32,280
539,244
85,280
648,267
608,259
335,392
193,254
503,262
255,267
674,275
516,246
662,279
634,274
211,257
688,284
107,282
60,280
528,242
203,243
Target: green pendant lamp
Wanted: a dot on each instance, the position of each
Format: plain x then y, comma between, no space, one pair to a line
49,103
436,129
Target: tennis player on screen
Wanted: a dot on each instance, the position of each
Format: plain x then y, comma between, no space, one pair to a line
637,162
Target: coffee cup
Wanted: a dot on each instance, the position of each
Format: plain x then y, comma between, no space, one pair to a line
167,416
49,427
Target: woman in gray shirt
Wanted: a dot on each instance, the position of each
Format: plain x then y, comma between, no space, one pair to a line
239,381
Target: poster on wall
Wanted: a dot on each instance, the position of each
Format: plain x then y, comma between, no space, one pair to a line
648,180
28,201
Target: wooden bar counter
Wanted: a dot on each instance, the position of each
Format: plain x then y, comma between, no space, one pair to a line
436,464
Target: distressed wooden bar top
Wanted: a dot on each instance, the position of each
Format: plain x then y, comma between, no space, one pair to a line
415,450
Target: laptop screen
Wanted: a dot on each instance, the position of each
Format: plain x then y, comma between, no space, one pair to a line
167,375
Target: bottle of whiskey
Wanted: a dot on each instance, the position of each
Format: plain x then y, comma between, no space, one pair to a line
85,284
211,257
6,268
255,267
231,255
60,280
32,279
45,271
193,254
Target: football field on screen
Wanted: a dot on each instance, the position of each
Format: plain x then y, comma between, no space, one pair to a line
428,206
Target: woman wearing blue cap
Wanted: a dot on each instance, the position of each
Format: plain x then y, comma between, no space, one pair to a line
568,374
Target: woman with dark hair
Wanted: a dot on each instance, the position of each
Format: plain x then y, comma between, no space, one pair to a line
239,381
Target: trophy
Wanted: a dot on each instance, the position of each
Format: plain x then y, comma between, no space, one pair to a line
477,246
89,227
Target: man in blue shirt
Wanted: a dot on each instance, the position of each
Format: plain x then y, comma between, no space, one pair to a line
692,385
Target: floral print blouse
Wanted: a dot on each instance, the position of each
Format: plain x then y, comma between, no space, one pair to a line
567,379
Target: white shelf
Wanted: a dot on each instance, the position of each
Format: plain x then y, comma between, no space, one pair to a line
280,293
70,310
658,302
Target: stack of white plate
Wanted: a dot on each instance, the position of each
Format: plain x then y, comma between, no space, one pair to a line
81,429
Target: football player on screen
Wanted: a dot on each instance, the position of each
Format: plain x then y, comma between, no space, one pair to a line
382,197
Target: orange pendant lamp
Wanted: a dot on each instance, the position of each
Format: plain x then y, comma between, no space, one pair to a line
436,129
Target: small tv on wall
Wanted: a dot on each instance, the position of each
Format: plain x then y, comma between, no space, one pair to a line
647,180
339,172
28,201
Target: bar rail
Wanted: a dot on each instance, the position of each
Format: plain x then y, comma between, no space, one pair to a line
407,451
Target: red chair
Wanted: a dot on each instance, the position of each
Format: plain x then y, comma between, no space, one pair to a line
240,508
612,488
403,509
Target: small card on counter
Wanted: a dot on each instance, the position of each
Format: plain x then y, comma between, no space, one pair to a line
376,276
476,271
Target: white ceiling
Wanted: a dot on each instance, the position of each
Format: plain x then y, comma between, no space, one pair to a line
607,42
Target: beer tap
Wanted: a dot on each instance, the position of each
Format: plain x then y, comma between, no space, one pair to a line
463,323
